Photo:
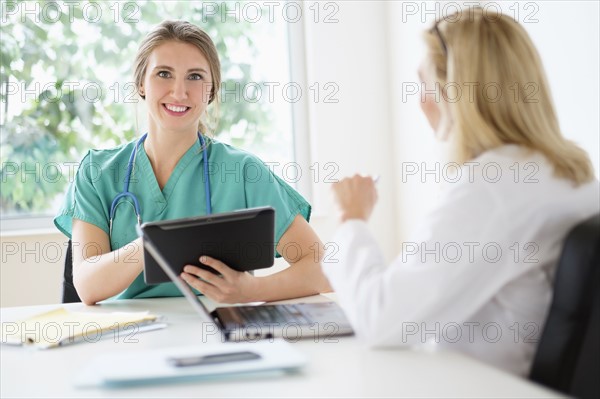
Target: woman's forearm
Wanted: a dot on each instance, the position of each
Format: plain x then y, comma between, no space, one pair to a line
302,278
98,277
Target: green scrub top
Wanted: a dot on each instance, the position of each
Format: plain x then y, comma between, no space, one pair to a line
238,180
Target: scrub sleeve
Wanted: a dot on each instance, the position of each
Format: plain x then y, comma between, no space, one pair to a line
82,200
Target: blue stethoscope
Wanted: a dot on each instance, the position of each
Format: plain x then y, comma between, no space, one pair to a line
128,194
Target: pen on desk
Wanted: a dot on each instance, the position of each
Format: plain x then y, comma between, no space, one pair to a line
127,329
213,359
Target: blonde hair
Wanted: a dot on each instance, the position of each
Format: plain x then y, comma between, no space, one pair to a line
185,32
511,103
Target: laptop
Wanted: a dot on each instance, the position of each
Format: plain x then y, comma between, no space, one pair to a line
318,321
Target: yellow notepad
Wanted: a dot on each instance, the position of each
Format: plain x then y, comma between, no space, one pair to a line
61,326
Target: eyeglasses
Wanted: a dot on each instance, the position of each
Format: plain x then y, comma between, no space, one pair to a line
439,35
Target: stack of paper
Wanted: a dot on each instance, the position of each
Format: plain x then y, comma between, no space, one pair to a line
60,327
192,362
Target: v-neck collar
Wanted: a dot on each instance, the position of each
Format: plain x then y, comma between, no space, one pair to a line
148,177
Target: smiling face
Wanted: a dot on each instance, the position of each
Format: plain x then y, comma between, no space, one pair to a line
177,87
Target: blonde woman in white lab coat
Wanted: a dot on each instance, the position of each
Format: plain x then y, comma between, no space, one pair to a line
478,274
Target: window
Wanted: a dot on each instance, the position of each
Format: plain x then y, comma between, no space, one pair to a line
66,86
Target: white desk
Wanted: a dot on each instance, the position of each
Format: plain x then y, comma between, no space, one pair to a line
340,369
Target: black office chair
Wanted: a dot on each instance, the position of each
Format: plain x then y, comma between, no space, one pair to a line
568,354
69,293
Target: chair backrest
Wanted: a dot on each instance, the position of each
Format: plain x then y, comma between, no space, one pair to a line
568,354
69,293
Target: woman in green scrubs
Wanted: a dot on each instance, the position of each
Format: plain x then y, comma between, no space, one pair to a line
177,72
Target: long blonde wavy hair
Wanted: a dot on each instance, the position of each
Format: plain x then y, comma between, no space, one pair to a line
511,102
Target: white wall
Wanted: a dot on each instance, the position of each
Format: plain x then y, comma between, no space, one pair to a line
31,269
354,133
369,53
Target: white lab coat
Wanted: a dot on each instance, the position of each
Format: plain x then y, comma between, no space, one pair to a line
461,281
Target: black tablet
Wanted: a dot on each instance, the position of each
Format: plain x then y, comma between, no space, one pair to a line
244,240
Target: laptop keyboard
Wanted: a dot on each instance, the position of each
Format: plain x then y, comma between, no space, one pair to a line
272,314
